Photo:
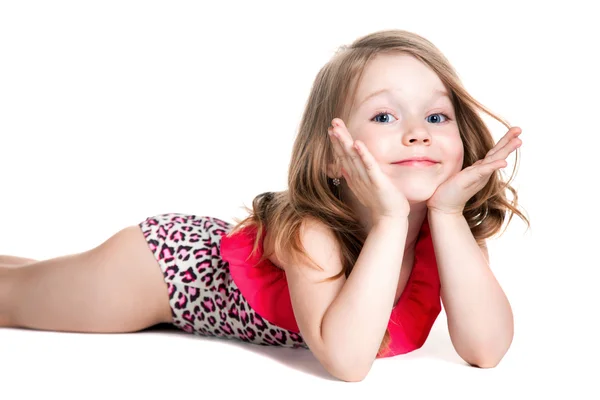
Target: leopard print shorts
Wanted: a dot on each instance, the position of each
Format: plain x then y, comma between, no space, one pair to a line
204,298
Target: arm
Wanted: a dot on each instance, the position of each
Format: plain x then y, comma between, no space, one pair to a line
343,322
480,320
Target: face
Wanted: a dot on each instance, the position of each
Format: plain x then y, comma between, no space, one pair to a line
411,117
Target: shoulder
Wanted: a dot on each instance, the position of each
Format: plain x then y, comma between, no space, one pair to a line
319,243
312,227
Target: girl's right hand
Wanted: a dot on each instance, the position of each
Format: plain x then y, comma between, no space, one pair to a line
364,177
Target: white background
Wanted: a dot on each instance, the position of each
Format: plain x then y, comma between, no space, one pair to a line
114,111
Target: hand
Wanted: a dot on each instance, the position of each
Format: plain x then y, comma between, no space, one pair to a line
369,184
452,195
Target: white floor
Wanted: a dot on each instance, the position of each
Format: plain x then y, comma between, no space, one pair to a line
164,362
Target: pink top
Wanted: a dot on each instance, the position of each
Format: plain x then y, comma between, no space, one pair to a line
265,287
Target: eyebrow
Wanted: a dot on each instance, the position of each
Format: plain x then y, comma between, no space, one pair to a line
436,93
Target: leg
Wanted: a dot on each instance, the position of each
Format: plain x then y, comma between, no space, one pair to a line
12,261
115,287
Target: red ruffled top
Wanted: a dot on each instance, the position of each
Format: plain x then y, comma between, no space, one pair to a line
265,288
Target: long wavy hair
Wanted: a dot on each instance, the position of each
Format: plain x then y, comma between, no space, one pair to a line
311,194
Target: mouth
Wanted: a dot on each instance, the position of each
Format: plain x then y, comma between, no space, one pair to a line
415,163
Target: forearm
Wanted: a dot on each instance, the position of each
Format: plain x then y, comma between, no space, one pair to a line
355,323
480,320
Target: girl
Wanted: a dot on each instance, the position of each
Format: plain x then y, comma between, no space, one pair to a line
393,190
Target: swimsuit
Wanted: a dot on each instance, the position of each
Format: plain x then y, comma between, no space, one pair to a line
217,288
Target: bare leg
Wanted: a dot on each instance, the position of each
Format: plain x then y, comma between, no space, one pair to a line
115,287
12,261
4,293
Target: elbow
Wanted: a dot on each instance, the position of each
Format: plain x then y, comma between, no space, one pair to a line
485,363
344,360
353,378
348,369
483,355
349,374
484,359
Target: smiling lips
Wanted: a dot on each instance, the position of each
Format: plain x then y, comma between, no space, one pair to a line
416,162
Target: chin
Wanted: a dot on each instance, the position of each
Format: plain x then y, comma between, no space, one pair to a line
419,195
418,185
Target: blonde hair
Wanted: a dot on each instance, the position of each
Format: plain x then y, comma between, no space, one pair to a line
311,194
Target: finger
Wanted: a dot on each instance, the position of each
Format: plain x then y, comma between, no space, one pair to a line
351,152
481,173
511,134
488,169
338,151
359,163
503,152
341,155
348,180
370,164
351,159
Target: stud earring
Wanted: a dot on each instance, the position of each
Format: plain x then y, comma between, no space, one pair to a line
336,182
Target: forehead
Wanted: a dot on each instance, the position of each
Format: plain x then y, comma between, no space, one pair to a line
401,75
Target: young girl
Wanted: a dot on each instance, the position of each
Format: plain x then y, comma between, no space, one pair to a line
393,190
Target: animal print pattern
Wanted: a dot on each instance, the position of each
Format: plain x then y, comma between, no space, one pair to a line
204,298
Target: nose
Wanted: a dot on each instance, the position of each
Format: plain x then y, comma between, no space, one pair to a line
416,135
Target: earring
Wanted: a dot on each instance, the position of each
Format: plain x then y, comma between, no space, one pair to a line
336,182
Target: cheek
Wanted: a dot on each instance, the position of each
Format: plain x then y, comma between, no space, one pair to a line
456,155
375,147
458,159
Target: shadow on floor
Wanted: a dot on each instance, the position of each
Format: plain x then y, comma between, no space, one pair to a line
438,346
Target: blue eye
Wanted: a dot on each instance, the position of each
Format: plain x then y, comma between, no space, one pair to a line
445,116
380,114
387,113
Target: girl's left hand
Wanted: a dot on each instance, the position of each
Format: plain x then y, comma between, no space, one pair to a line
452,195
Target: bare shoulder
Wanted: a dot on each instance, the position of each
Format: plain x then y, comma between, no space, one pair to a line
322,246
